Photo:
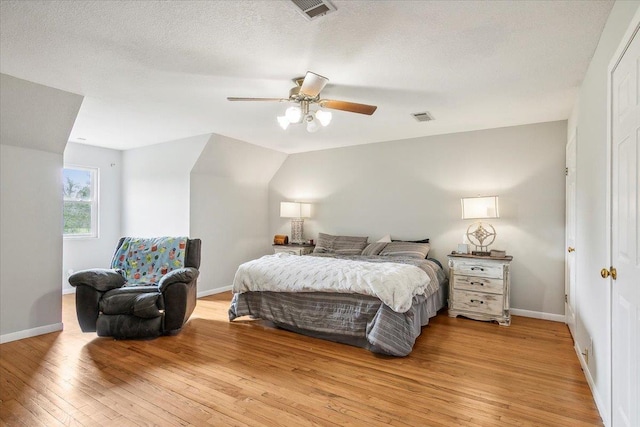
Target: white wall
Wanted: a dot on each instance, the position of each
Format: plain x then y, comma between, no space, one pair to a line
229,199
35,122
589,119
156,187
412,189
83,253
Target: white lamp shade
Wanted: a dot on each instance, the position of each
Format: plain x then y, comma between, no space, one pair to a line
295,210
283,122
480,207
312,125
293,114
324,117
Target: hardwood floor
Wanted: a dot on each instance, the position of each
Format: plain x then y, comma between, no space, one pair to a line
461,373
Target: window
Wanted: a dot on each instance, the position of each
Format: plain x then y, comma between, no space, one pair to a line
80,192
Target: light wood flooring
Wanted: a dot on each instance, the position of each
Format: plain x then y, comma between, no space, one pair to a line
461,373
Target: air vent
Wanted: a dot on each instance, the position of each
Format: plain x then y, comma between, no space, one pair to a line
423,117
312,9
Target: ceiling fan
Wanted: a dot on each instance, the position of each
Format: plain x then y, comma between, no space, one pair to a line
306,93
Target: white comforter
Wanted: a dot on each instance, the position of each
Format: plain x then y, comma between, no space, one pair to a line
394,284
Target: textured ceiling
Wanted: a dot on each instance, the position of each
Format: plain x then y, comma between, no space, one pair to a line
155,71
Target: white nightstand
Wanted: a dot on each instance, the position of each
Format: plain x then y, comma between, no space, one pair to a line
293,249
479,287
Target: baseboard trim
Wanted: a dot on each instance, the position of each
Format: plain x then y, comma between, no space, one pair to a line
604,414
28,333
214,291
66,291
538,315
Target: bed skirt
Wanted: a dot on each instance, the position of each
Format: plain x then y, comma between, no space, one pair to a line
359,320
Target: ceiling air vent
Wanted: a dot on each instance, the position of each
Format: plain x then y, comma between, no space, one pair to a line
312,9
423,117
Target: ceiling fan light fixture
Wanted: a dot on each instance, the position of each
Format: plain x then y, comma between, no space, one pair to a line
283,122
307,94
294,114
324,117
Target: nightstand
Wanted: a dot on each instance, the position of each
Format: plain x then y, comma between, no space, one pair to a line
303,249
479,287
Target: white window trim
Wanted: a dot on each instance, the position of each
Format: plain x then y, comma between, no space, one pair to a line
95,204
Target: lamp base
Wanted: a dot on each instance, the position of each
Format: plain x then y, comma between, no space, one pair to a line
481,237
296,230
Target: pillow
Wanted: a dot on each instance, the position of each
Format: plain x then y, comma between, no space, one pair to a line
340,245
412,241
406,249
386,238
374,248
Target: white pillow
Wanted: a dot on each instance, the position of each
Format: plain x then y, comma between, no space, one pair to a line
386,238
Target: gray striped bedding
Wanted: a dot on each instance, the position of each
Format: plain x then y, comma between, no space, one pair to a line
349,318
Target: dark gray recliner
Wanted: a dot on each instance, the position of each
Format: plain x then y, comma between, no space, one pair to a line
108,305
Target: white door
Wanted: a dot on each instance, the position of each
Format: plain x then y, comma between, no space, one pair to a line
625,237
570,223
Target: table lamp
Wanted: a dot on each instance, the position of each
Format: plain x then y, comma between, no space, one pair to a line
297,212
480,235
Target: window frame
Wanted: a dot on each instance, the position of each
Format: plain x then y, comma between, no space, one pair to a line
94,202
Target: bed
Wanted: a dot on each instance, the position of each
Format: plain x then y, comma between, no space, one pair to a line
378,296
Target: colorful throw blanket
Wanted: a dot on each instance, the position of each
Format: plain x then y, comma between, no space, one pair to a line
393,283
146,260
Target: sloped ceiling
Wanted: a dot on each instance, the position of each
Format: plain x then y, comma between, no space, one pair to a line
154,71
35,116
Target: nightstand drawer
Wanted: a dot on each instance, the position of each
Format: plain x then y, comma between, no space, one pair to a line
479,284
288,251
293,249
478,302
479,269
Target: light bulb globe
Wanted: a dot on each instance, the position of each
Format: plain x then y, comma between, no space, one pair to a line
283,122
293,114
324,117
312,125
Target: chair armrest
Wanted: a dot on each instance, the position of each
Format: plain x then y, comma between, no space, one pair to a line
181,275
100,279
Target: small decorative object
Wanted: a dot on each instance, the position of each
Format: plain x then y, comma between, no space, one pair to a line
463,248
280,239
498,254
479,234
297,212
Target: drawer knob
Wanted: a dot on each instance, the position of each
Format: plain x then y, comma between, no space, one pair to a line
477,268
477,300
477,283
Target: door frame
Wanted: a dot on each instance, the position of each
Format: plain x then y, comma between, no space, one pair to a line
634,26
570,297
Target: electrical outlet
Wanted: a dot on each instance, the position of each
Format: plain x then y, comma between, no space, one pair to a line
587,351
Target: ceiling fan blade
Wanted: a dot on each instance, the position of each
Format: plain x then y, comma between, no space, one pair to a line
233,98
312,84
348,106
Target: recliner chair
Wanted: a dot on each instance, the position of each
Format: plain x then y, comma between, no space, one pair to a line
150,290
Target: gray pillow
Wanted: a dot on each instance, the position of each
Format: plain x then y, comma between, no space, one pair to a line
406,249
413,241
340,245
374,248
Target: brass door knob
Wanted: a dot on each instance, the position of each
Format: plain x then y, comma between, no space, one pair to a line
605,273
570,249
